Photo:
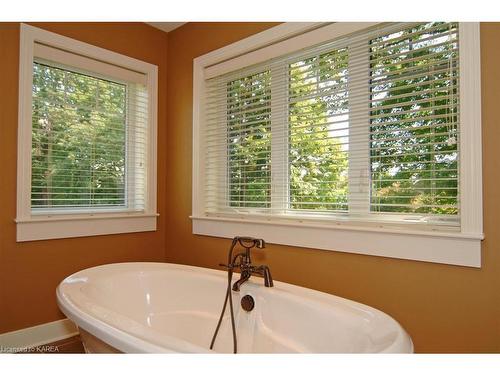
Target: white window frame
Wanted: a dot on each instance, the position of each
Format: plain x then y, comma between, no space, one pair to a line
86,222
461,247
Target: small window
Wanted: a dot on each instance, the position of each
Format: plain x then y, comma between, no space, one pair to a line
91,131
79,135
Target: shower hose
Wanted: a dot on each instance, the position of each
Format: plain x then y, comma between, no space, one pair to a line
230,265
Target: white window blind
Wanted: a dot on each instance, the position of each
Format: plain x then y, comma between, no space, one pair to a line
89,135
414,117
364,127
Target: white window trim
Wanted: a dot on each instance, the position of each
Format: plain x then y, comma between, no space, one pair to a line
77,224
457,248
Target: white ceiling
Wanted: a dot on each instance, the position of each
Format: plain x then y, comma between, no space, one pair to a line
166,26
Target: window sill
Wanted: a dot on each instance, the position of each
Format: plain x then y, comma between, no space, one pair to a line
67,226
456,248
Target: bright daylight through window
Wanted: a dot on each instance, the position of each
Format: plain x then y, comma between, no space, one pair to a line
87,140
344,136
79,140
366,127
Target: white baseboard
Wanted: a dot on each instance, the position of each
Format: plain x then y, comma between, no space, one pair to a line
42,334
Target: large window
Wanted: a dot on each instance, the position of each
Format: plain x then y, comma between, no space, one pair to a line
87,133
362,131
366,127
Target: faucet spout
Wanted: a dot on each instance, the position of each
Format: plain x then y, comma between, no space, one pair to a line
268,279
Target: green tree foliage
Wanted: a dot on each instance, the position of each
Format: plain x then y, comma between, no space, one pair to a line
249,141
414,114
78,140
413,127
318,165
318,110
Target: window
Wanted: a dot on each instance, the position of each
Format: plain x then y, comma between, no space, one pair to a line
368,132
87,132
249,146
414,111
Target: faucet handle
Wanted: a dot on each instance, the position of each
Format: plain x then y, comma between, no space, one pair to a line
264,271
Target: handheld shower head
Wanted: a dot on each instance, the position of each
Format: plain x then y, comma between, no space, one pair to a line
250,242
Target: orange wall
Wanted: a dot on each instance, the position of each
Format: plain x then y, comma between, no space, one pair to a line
30,271
444,308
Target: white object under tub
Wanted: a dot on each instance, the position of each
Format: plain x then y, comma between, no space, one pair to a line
161,307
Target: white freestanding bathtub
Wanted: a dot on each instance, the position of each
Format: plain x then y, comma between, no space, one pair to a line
161,308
